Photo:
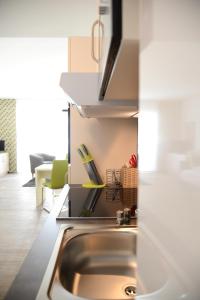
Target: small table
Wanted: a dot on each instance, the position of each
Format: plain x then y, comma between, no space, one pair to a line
4,163
40,173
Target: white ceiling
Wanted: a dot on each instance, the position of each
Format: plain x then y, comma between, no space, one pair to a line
30,68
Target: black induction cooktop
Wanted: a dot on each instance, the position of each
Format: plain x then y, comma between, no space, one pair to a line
103,203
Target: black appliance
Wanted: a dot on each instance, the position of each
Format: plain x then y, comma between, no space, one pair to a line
119,51
111,17
83,203
2,145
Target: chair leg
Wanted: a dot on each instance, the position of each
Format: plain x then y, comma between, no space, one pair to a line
43,207
42,196
47,210
53,194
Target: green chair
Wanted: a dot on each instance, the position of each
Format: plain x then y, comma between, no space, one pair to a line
58,176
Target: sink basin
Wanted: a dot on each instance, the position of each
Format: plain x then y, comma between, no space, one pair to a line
94,264
99,265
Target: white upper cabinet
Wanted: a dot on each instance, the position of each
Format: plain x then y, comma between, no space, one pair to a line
103,66
46,18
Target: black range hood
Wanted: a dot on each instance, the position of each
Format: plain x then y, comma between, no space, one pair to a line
115,16
119,68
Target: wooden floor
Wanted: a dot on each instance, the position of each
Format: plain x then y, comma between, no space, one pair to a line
20,223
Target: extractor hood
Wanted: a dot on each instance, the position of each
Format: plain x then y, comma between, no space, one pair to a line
113,91
119,44
82,88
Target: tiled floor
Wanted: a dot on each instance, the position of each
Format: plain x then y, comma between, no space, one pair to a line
20,222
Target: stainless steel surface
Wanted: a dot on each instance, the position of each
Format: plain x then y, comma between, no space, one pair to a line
86,100
119,217
130,290
98,263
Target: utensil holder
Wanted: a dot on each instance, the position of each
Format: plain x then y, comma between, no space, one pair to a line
129,197
113,177
129,177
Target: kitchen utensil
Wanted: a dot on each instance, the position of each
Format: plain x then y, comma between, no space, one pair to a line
88,168
91,201
91,164
133,161
81,154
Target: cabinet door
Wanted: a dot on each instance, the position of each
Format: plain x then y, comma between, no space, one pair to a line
79,55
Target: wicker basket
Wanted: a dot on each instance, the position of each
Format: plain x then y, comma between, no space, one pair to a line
129,177
113,176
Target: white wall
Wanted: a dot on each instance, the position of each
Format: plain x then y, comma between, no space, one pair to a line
30,68
42,127
111,141
46,18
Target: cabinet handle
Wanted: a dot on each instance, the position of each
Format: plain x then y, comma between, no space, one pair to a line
101,38
97,22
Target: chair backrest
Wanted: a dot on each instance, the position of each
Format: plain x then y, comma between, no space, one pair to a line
35,161
58,174
47,157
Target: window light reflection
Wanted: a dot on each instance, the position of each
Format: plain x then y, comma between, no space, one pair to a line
148,141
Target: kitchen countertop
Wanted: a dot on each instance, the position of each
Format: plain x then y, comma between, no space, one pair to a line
29,278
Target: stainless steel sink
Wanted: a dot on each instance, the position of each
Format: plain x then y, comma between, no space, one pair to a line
94,264
99,265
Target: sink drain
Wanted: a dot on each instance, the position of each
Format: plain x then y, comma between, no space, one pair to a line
130,290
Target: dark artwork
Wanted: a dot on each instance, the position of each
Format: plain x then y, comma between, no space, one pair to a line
2,145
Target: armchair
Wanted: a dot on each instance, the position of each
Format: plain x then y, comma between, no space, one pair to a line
38,159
